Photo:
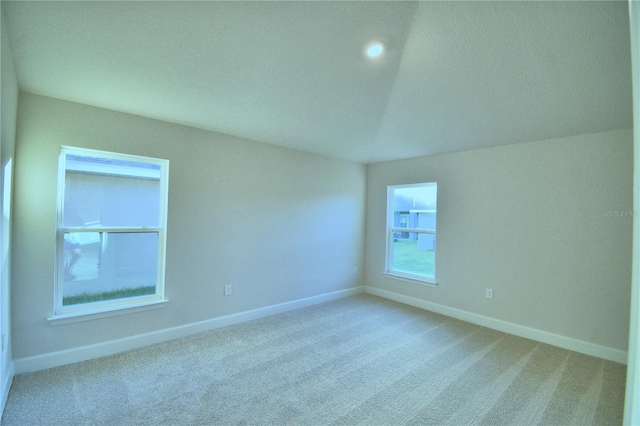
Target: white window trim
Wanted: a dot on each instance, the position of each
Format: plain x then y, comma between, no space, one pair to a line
106,312
414,279
64,314
388,271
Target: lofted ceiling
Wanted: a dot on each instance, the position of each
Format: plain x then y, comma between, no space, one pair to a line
455,75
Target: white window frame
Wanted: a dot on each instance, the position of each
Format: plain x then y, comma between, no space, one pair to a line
391,229
107,308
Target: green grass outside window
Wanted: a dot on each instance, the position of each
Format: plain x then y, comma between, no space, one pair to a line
122,293
408,257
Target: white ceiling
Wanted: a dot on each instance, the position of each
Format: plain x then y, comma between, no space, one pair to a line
455,76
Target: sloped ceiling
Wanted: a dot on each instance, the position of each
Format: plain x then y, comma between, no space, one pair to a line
455,75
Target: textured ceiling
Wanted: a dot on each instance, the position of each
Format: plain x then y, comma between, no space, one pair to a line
456,75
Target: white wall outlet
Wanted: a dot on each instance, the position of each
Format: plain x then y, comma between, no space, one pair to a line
355,270
227,290
489,293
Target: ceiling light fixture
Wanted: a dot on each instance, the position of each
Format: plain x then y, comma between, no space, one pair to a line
375,49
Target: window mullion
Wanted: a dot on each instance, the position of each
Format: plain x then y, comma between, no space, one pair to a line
110,229
413,230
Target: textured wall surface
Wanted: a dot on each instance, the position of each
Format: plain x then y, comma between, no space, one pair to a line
546,224
279,225
8,128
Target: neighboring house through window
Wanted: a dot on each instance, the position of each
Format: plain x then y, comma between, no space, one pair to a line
111,231
411,231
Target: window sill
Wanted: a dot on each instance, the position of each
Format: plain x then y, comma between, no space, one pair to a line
106,312
411,280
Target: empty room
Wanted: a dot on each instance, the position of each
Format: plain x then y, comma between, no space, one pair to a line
314,213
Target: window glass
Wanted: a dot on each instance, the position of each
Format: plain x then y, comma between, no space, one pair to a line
411,231
110,193
102,266
111,230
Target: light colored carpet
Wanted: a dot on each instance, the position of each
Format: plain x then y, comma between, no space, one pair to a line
356,361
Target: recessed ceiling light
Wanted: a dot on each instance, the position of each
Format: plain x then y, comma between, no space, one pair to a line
375,49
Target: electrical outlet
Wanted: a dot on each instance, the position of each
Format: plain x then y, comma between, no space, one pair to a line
355,270
227,290
489,293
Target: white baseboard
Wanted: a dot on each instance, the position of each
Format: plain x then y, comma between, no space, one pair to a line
84,353
576,345
7,380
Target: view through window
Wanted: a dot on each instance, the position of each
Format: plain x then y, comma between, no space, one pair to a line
111,230
411,231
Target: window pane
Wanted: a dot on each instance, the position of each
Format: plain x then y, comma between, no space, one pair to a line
412,207
415,207
104,266
413,253
104,192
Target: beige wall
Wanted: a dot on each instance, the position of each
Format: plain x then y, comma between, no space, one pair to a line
9,108
279,225
632,396
537,222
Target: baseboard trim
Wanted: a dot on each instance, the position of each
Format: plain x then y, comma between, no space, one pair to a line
84,353
572,344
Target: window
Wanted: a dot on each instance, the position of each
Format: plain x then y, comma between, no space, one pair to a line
111,231
411,231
